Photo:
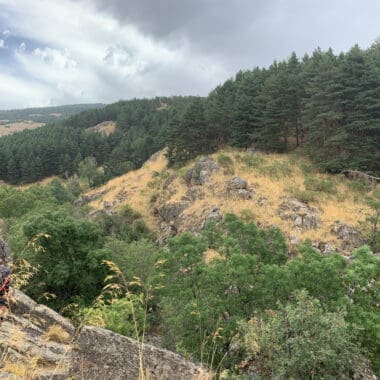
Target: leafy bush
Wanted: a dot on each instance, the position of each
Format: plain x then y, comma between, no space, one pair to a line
304,196
320,185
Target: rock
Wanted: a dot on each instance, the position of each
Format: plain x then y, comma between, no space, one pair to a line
237,188
261,201
237,183
102,354
194,193
168,181
303,216
351,238
200,173
94,353
169,212
244,194
5,252
84,199
326,247
214,215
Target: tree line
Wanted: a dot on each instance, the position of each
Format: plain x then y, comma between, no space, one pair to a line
326,105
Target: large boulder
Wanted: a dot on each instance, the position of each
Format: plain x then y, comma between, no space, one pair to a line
169,212
201,172
5,252
38,342
302,215
237,188
102,354
350,237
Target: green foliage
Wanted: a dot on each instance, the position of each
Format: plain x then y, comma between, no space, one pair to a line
202,302
320,185
127,225
65,250
301,340
305,196
120,315
226,163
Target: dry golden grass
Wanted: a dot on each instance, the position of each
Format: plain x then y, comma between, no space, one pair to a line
210,255
56,333
7,129
25,370
106,127
270,176
135,186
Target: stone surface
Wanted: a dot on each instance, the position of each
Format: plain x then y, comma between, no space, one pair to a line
102,354
214,215
237,183
350,237
169,212
5,252
94,353
303,216
237,188
200,173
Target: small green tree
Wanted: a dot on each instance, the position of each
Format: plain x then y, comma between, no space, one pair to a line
301,341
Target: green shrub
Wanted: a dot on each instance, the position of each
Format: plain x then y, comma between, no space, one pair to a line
226,163
320,185
305,196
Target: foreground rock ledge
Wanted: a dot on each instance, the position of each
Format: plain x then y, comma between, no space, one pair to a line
102,354
91,354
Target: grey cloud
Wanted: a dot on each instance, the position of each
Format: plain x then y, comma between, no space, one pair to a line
245,33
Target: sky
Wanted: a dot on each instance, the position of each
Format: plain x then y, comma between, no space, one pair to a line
55,52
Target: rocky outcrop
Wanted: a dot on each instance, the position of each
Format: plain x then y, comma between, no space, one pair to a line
200,173
38,343
237,188
302,216
349,236
102,354
5,252
169,212
214,216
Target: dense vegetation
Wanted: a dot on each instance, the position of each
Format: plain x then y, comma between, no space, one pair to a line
230,297
326,105
329,105
46,114
59,148
249,307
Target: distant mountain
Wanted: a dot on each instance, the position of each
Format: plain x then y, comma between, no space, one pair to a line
46,114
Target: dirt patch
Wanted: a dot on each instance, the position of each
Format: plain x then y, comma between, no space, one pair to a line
9,128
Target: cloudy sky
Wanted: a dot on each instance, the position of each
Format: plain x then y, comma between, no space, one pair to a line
55,52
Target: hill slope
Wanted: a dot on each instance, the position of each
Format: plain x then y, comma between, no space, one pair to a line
275,190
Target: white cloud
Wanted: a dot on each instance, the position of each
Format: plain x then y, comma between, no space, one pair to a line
88,56
2,43
6,32
22,47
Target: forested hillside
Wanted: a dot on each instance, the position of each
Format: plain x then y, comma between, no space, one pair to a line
45,114
326,105
59,148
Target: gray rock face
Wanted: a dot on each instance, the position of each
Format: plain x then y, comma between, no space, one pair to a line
194,193
169,212
350,237
94,353
215,216
200,173
303,216
5,252
103,354
237,183
237,188
168,181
